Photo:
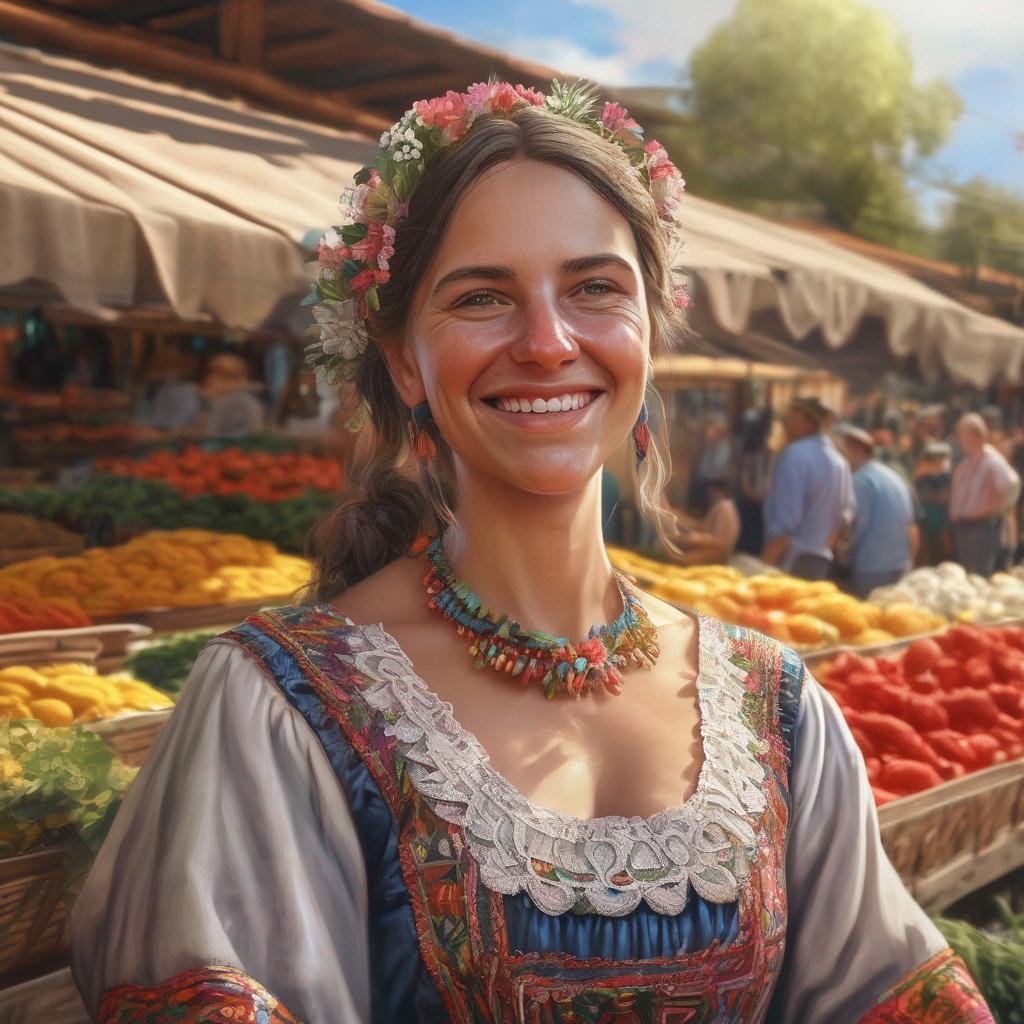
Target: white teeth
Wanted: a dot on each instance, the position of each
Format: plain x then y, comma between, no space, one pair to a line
563,403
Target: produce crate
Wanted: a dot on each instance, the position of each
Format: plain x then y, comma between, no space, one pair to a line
102,645
131,736
8,556
34,910
176,620
949,841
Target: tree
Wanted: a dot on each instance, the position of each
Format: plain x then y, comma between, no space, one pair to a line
984,225
799,99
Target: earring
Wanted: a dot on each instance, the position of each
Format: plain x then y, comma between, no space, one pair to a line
419,432
641,436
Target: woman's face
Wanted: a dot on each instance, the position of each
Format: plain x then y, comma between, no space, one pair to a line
529,336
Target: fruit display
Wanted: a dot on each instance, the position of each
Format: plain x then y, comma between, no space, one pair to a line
951,591
86,434
167,663
133,504
27,532
161,569
72,692
948,705
58,787
808,615
23,609
263,476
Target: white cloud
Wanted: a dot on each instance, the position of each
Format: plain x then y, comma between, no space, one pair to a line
946,36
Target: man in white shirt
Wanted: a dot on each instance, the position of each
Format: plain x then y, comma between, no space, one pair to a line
983,487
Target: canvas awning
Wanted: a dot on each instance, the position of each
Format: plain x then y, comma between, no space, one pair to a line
744,264
118,191
121,192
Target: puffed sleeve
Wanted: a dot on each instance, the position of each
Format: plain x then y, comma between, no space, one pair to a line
232,881
859,950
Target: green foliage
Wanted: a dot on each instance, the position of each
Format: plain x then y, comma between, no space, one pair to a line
996,965
57,787
167,663
801,99
985,225
136,504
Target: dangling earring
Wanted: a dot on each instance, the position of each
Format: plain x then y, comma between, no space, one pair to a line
419,432
641,436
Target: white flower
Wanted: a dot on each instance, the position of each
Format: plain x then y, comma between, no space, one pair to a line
410,134
341,333
405,148
331,239
398,157
385,139
415,154
329,273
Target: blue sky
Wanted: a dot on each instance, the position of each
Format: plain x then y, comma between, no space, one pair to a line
977,47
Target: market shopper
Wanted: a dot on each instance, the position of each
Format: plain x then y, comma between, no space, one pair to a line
233,409
884,535
983,491
711,538
932,474
810,498
350,817
753,475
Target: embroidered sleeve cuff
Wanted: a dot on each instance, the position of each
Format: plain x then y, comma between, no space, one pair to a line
204,995
938,992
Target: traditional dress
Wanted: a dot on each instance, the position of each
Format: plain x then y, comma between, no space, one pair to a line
316,838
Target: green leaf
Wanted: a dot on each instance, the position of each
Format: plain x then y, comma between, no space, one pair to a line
350,268
362,176
352,233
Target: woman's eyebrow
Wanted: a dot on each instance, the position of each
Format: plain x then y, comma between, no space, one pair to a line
496,273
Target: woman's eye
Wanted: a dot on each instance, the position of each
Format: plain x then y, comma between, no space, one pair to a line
476,299
596,287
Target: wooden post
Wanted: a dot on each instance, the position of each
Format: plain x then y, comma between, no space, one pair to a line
241,27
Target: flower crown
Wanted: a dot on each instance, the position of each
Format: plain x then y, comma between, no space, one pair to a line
353,259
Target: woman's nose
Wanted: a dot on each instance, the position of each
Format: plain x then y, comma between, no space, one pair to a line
544,337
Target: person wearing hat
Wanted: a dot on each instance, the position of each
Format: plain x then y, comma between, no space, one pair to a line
931,487
884,535
810,499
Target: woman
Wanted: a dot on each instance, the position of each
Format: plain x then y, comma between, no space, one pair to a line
350,818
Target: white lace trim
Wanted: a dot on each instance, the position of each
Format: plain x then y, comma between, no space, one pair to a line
599,865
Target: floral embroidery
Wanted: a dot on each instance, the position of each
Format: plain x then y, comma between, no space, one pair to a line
204,995
940,991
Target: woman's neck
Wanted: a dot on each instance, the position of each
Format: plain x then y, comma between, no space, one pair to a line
539,560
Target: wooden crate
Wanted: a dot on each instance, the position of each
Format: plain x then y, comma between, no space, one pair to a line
102,645
175,620
131,736
948,841
35,907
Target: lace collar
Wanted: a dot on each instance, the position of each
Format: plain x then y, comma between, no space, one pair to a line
599,865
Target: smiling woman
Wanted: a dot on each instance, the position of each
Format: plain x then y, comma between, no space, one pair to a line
400,804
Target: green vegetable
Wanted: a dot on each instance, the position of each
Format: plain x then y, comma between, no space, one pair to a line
996,964
166,664
58,787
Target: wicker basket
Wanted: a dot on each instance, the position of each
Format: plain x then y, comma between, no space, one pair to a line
34,911
951,840
132,736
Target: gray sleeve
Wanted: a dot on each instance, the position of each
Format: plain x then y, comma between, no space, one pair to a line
854,930
234,847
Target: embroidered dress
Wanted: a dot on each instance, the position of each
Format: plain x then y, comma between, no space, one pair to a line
316,838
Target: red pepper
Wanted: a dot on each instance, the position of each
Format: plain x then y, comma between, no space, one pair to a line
925,713
925,682
985,749
947,671
966,640
865,744
891,735
977,673
951,745
1009,699
970,709
874,768
904,775
920,656
883,796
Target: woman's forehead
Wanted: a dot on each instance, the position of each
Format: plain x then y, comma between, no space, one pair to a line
529,209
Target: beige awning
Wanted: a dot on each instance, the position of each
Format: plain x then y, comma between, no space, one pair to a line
117,191
120,192
746,264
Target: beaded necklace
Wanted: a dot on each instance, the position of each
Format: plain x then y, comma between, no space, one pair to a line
498,642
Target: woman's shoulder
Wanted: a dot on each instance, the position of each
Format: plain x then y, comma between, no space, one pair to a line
392,596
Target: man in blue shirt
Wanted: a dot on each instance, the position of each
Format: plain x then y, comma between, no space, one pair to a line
885,535
810,499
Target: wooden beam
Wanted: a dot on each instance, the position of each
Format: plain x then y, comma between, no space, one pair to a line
419,85
181,19
241,28
147,52
321,48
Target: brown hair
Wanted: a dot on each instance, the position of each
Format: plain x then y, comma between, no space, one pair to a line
388,506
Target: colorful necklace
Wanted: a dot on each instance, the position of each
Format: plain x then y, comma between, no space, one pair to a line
497,642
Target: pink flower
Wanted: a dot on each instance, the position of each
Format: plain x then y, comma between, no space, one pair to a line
449,113
381,276
500,97
594,651
377,246
532,96
477,97
387,247
331,256
616,120
681,297
354,198
363,280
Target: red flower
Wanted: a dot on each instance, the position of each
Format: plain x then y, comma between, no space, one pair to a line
594,651
363,280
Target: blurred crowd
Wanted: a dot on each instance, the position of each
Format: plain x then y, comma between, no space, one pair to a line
863,499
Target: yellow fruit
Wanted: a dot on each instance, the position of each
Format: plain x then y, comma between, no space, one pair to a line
9,688
872,636
14,707
52,712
